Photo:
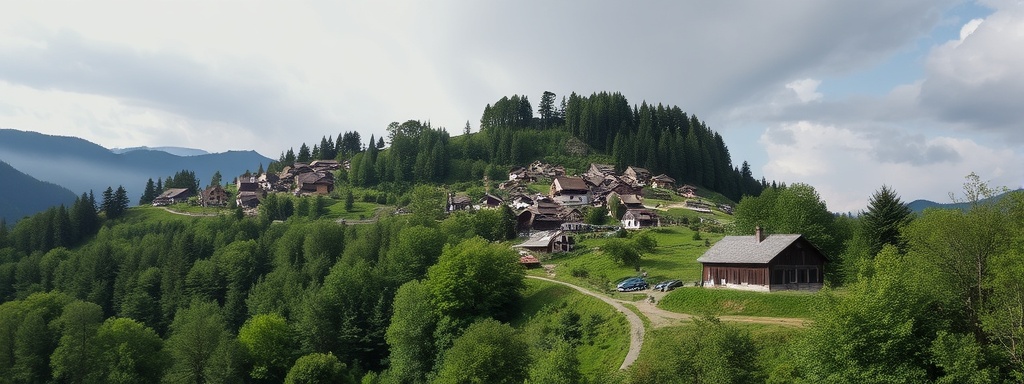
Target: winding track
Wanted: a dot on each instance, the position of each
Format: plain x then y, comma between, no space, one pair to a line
662,318
636,325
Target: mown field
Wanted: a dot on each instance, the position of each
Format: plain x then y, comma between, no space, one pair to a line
719,302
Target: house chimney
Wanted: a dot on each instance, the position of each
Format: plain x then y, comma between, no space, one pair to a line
758,235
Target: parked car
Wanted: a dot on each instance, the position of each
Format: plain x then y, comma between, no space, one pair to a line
632,284
668,285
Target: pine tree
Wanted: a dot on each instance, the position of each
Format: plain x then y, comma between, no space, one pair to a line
148,193
304,155
885,216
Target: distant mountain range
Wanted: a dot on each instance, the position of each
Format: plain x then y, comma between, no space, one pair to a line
81,166
177,151
917,206
22,195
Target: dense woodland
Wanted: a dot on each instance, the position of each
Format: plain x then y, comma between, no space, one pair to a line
99,292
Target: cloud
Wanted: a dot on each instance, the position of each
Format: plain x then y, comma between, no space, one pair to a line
806,90
976,81
847,164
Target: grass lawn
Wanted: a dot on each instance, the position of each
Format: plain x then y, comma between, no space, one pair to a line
719,302
151,213
774,345
605,339
675,257
360,210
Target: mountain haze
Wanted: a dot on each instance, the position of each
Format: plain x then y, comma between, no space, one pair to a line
81,166
22,195
178,151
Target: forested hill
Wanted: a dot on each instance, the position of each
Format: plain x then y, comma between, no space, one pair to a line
578,130
23,195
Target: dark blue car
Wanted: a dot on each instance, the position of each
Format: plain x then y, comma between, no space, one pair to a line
632,284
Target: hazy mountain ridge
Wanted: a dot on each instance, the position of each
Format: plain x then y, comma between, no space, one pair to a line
23,195
918,206
177,151
81,166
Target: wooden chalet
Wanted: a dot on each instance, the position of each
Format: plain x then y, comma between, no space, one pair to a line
636,175
554,241
570,191
214,196
247,183
314,183
491,201
543,215
601,169
172,196
764,263
247,199
663,181
640,218
631,201
458,202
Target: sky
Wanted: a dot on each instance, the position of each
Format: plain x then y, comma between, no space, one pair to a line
844,96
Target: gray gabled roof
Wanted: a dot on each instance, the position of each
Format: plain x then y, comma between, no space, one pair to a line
744,249
540,239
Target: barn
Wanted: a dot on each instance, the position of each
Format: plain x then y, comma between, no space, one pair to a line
764,263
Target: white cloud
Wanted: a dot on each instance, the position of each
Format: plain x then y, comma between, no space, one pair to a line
806,90
844,163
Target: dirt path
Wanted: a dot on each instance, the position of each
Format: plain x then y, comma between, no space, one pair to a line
191,214
660,318
636,325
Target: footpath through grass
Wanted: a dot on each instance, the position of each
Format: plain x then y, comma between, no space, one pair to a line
549,309
719,301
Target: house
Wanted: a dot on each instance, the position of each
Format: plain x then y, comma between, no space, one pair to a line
172,196
214,196
687,191
637,176
632,201
491,201
520,173
548,242
570,191
545,214
325,165
640,218
247,183
247,199
458,202
314,183
601,169
764,263
663,181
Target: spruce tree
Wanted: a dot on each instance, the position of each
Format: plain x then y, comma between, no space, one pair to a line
885,215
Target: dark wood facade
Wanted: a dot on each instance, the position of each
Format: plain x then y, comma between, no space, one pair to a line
799,266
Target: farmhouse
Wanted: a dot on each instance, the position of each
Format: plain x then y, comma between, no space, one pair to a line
637,176
663,181
214,196
764,263
571,191
640,218
172,196
548,242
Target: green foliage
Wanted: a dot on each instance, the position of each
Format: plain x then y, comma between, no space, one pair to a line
318,368
268,341
850,342
488,352
706,352
622,251
129,352
427,205
475,278
200,345
885,216
560,366
719,302
410,335
75,356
